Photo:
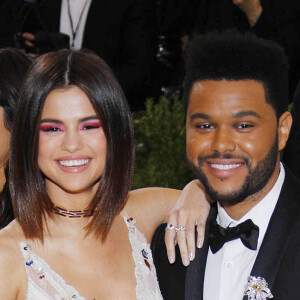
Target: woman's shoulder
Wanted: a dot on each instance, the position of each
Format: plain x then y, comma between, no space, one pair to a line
150,206
12,270
144,198
9,236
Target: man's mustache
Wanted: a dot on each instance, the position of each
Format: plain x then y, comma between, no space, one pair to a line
202,158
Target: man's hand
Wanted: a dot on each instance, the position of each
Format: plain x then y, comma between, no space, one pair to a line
190,211
28,39
251,8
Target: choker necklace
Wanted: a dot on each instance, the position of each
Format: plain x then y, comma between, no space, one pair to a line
73,213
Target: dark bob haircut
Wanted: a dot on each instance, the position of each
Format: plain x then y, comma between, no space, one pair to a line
60,70
13,68
239,56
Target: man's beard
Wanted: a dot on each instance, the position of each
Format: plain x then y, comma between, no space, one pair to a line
255,181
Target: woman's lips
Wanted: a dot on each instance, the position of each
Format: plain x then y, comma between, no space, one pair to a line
73,165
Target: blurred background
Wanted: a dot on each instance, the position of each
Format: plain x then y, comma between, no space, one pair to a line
144,42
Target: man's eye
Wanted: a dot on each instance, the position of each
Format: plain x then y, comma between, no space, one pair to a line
204,126
244,126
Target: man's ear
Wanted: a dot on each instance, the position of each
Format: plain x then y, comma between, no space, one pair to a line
284,128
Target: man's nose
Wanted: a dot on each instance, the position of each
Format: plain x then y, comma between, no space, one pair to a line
223,141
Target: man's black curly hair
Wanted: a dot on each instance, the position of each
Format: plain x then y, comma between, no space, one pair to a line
239,56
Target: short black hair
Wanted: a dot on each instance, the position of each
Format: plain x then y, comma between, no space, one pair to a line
232,55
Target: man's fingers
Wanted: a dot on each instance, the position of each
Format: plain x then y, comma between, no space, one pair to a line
28,36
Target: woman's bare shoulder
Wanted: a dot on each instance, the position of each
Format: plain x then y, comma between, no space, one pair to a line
152,197
150,206
10,235
12,270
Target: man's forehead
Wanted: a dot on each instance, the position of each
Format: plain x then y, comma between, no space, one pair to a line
244,88
229,96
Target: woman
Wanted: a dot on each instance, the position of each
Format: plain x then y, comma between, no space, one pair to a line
13,67
71,167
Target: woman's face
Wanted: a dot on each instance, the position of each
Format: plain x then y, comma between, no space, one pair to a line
72,144
5,140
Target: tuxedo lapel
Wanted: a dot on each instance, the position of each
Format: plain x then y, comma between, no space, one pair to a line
194,280
277,235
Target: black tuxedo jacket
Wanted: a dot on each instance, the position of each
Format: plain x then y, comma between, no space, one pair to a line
278,260
119,31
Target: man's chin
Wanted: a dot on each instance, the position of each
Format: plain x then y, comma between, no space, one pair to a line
231,198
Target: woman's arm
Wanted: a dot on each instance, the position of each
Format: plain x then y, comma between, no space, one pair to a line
154,206
10,272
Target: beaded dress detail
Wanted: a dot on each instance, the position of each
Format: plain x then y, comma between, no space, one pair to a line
147,287
45,284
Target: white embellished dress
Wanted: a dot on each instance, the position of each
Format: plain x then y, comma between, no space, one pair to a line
45,284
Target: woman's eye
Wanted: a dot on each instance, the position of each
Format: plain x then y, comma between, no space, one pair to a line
87,127
49,128
90,125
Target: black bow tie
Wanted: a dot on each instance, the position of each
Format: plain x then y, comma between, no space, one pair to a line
246,231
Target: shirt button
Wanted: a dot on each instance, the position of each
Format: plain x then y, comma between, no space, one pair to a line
229,265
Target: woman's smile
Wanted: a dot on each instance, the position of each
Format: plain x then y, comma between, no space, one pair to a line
72,144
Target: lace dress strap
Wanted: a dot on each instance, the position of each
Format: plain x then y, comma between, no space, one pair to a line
43,282
147,287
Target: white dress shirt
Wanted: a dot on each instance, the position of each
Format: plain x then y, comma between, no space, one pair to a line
76,7
227,270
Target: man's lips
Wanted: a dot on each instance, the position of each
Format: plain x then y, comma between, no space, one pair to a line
224,165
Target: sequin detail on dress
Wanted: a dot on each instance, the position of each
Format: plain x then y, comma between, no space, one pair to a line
147,287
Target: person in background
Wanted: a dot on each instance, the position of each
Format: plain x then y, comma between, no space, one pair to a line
119,31
174,21
291,152
270,19
13,68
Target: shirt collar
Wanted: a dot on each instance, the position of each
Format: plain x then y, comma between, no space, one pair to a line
261,213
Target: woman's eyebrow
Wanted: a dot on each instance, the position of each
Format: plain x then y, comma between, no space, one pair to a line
47,120
88,118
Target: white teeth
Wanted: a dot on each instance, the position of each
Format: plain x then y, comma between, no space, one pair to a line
225,167
74,162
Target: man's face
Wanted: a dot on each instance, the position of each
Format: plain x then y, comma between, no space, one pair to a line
232,138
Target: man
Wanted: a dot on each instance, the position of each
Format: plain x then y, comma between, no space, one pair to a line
236,94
